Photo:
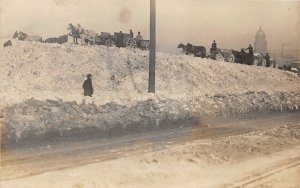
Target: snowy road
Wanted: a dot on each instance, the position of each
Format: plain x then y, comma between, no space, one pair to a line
17,163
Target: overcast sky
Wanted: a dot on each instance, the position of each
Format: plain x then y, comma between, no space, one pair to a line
232,23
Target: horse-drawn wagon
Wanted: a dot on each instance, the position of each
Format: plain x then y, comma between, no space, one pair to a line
200,51
105,39
245,58
128,41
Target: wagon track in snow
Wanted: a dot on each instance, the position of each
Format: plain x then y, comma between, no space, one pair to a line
260,177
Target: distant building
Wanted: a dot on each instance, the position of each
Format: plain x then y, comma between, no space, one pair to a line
260,43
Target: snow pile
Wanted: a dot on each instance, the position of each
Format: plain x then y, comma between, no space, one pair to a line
41,89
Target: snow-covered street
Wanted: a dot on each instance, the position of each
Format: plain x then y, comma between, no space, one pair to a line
244,151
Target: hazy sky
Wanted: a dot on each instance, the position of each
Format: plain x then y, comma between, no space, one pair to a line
232,23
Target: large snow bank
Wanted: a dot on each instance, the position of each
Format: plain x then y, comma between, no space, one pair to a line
41,89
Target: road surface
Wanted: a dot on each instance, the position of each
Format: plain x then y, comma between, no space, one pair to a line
20,163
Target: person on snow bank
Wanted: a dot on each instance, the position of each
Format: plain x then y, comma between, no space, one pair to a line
87,86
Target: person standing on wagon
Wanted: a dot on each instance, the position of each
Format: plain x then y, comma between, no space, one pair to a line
251,54
131,33
87,86
139,38
213,49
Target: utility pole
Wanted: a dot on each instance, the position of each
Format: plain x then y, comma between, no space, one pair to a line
298,33
151,85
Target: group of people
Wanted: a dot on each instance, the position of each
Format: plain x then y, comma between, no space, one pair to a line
244,56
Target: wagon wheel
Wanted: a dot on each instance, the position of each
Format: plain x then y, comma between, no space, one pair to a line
230,58
131,43
109,43
219,57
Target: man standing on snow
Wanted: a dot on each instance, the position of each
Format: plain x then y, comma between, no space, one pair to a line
87,86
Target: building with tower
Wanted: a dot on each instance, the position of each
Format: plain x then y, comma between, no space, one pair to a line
260,43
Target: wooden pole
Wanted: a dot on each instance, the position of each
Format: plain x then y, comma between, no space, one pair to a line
151,85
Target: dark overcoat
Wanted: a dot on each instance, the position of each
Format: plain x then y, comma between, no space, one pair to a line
88,87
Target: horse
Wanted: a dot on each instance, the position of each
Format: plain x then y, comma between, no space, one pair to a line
242,57
198,51
75,33
182,46
238,56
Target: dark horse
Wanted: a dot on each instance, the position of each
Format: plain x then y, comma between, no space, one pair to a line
182,46
198,51
242,57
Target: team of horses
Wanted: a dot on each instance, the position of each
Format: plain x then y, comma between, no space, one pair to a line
86,36
197,51
77,32
233,56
